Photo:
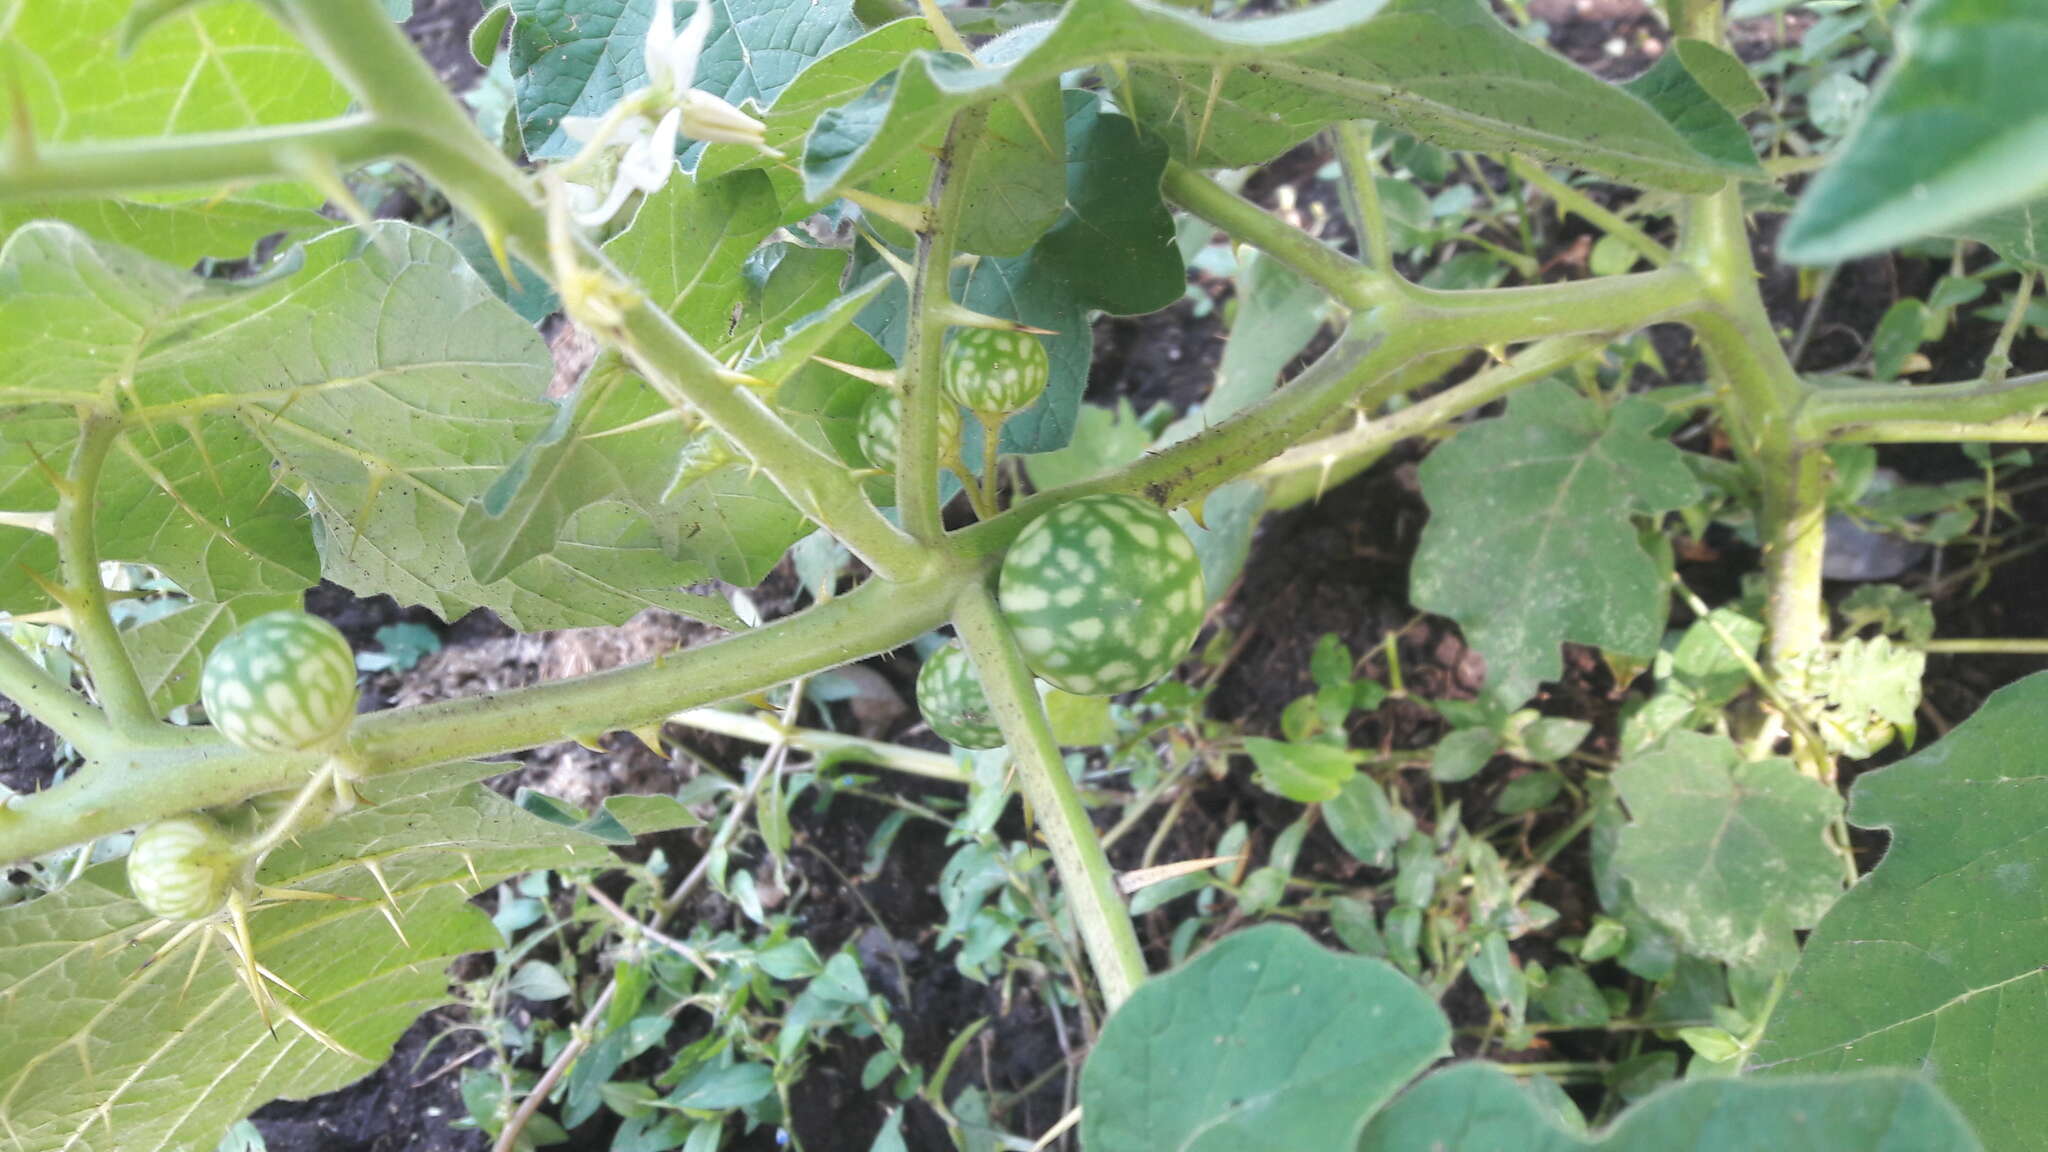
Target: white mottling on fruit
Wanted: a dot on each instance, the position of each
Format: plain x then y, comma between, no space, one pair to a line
1037,641
1177,603
1069,596
1069,559
1116,671
1028,598
1177,543
1087,629
235,694
1144,534
1079,685
1151,647
1033,549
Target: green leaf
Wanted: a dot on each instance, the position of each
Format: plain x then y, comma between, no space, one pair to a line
1266,1042
1958,131
1368,824
1679,95
1448,71
388,429
2018,234
1103,439
1461,754
1111,251
98,1052
578,58
198,68
169,651
1308,773
1933,961
1477,1107
1729,855
688,246
181,233
1530,542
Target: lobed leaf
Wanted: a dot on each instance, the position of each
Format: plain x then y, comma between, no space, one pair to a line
1530,542
1932,962
99,1052
1731,856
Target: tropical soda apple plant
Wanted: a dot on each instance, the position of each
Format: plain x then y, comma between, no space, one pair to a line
812,240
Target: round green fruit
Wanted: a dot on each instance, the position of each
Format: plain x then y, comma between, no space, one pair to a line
1104,594
181,868
950,696
877,430
997,372
285,682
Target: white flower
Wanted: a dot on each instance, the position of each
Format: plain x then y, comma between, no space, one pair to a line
649,158
625,151
672,58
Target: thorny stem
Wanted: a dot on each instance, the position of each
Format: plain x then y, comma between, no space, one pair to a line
924,339
1361,183
1570,199
48,699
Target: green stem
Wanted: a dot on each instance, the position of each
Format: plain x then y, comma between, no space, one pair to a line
1361,182
42,695
1348,282
832,745
85,597
924,338
1570,199
1084,869
1995,646
371,55
205,771
206,160
1999,361
1763,396
1887,413
1373,437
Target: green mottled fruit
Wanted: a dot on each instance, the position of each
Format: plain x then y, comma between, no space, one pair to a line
950,696
1104,594
989,370
180,868
285,682
877,429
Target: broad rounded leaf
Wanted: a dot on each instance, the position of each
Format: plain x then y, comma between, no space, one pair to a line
1266,1042
1480,1108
